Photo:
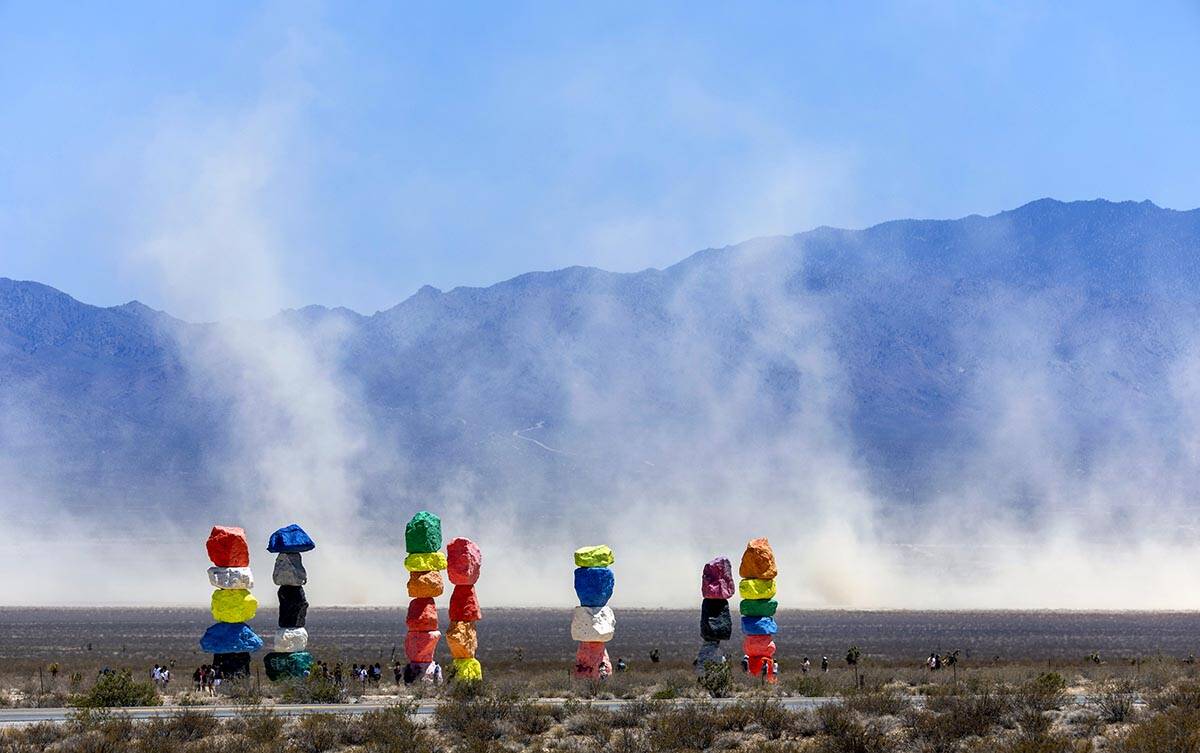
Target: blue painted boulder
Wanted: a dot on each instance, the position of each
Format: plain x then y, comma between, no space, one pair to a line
593,586
290,539
759,626
230,638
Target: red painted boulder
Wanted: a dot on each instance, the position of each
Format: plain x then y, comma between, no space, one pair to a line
591,661
419,645
422,615
227,547
464,605
758,645
761,666
463,562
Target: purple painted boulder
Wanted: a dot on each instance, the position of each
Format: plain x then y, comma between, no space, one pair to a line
717,580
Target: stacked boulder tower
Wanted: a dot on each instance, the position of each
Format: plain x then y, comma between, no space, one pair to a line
463,562
230,640
757,588
290,656
424,563
716,624
593,623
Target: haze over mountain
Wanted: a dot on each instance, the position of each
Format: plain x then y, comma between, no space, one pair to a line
985,371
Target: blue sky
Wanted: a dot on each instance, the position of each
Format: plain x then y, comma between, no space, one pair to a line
353,152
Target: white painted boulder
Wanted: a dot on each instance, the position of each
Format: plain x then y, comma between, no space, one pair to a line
290,640
230,578
593,624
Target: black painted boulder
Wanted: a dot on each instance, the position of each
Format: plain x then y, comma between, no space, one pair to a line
715,622
232,665
293,607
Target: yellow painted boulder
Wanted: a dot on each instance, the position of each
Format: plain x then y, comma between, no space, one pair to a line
467,670
594,556
233,605
756,588
462,639
421,562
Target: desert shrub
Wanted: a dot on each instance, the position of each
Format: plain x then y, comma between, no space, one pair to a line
312,689
807,685
1176,730
315,733
972,713
1041,743
634,714
473,718
391,730
1046,692
184,727
844,733
531,718
34,737
1115,701
259,727
592,723
117,689
628,741
693,726
717,679
1184,695
886,702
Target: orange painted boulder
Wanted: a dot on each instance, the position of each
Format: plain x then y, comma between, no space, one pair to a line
426,585
462,639
227,547
463,562
464,605
422,615
758,561
758,645
419,645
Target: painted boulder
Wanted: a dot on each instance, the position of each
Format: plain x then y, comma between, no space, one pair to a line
594,556
426,585
423,533
716,581
422,615
290,539
759,626
467,669
233,605
462,639
288,640
227,547
281,665
758,561
231,577
753,588
289,570
758,645
424,561
230,638
293,607
758,607
464,605
419,645
593,624
463,562
716,624
591,661
593,585
234,664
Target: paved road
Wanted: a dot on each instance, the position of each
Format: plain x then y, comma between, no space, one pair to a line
424,709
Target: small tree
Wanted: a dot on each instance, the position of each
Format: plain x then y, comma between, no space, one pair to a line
852,657
952,660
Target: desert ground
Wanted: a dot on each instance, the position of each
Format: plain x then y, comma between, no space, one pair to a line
1023,681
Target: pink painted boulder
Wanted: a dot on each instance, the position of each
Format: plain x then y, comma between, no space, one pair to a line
717,579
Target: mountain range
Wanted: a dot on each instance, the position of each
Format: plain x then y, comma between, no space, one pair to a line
1021,356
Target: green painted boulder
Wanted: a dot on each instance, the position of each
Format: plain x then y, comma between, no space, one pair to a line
759,607
423,534
283,665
